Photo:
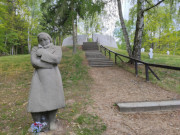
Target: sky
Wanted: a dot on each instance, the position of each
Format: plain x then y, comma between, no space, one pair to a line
113,16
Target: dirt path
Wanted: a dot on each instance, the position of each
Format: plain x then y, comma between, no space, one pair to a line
113,84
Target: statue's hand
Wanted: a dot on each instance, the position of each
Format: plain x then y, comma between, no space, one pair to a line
39,52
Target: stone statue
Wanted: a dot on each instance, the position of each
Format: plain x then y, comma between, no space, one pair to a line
46,93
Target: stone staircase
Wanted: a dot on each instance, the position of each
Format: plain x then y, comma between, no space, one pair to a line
94,57
90,46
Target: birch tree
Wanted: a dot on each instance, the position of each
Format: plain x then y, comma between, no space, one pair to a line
141,9
125,33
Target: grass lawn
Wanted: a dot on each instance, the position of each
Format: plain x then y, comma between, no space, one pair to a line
169,79
15,79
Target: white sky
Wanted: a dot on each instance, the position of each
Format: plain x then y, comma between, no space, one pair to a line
113,16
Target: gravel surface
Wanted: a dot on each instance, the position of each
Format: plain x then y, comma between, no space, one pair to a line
112,85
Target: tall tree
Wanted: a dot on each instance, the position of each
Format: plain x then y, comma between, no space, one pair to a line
33,16
14,25
142,7
140,26
68,10
125,33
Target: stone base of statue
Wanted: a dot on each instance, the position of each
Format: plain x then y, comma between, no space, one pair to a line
49,117
46,93
61,127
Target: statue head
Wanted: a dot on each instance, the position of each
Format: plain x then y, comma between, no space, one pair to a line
44,38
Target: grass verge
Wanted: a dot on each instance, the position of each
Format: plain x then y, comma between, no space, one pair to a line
169,79
15,79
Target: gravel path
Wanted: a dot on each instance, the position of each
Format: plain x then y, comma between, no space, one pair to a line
113,84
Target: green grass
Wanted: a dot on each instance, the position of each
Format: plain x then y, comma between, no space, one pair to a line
171,60
89,125
169,79
15,79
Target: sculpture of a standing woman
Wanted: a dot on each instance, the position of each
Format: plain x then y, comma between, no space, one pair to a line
46,93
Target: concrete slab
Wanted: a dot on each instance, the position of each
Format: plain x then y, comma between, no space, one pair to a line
148,106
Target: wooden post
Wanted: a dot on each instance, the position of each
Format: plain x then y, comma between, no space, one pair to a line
153,73
109,55
146,71
136,68
115,58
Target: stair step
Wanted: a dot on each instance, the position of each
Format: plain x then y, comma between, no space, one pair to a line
105,61
94,57
93,52
101,65
89,43
90,46
105,64
99,60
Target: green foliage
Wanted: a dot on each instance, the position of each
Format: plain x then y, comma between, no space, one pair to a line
59,17
90,125
121,46
89,39
118,33
160,31
161,28
18,21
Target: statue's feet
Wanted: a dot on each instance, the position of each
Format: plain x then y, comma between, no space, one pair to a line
53,126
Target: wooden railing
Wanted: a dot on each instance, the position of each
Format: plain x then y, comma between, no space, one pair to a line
147,65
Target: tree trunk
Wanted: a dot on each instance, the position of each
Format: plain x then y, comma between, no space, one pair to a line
73,34
76,38
12,50
59,39
139,30
16,48
125,33
6,40
55,41
86,26
152,45
159,38
175,45
29,44
22,49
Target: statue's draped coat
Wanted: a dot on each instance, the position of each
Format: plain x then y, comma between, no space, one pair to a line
46,91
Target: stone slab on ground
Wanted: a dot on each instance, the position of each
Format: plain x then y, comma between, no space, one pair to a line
148,106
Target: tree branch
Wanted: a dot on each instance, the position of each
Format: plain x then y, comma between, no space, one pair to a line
148,2
153,6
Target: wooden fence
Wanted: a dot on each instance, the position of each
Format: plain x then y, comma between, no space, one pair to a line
147,65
